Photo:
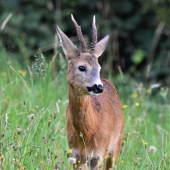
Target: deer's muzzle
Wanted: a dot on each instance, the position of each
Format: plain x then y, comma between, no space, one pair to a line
96,88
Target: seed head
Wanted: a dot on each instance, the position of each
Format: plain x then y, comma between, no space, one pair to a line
72,160
152,149
30,117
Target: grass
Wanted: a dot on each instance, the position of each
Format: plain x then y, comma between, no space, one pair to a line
32,112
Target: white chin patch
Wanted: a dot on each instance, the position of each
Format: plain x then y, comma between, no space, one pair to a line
93,94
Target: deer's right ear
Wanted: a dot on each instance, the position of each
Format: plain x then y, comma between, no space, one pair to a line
68,46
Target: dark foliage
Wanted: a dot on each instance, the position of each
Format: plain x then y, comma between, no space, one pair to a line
139,31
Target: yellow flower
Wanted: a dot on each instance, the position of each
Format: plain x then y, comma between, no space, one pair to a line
2,157
149,91
143,141
105,157
7,117
33,110
24,73
3,140
78,162
49,121
121,161
140,84
124,106
17,161
4,74
137,104
69,151
20,71
41,162
134,95
75,166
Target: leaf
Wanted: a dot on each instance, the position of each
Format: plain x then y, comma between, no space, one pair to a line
138,56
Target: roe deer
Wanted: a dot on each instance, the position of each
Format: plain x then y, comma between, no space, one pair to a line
98,117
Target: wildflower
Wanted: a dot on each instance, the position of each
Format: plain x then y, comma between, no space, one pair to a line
2,157
78,162
124,106
15,133
105,157
134,95
75,166
33,110
137,104
7,117
4,74
138,159
20,71
143,141
3,140
17,161
49,122
55,166
121,161
70,151
24,73
140,84
72,160
149,91
30,117
152,149
41,162
30,149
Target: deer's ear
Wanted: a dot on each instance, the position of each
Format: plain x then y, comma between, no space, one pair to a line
68,46
100,46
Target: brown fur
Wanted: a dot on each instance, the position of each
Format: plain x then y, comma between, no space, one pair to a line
99,118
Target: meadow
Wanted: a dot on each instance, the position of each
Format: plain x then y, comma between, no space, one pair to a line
32,113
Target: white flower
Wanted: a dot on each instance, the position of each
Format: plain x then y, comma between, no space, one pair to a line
72,160
30,117
152,149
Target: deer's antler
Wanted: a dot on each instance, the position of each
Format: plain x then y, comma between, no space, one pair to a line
80,35
94,38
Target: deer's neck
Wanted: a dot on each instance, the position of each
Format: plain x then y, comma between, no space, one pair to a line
81,112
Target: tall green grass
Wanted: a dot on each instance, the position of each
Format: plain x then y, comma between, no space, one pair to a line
32,113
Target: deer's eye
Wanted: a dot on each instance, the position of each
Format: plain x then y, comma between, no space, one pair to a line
82,68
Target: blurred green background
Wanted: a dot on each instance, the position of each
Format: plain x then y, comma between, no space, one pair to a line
139,33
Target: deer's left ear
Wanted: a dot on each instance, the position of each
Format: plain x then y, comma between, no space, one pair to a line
100,46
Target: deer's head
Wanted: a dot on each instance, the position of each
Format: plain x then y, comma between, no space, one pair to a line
83,66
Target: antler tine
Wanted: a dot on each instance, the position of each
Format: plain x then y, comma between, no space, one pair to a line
94,38
79,34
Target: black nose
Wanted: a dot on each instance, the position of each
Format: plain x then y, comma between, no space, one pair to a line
99,88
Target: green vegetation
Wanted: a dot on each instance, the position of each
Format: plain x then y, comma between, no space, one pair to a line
32,114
